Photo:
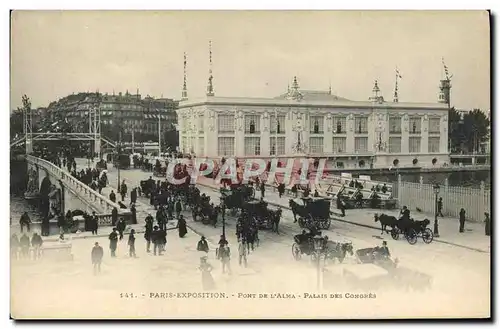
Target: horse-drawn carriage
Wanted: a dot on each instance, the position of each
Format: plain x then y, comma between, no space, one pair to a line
121,160
235,197
263,216
312,212
159,170
304,244
411,229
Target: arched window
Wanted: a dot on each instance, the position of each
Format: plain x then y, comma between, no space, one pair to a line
252,126
361,163
316,127
395,162
434,161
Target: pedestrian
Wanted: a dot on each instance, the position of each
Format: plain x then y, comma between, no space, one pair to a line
133,195
133,210
94,223
131,243
224,254
340,204
487,224
25,221
123,190
112,196
281,189
24,242
202,245
113,242
462,220
148,234
155,236
96,256
440,207
181,224
14,246
36,242
178,208
114,216
207,280
242,251
120,226
262,190
222,241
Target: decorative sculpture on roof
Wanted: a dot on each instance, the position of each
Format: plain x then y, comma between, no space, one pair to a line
294,93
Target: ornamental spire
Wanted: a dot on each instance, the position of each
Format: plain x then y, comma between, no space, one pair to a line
396,95
210,87
184,85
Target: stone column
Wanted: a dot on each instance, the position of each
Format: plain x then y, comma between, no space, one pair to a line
350,134
424,146
328,134
265,124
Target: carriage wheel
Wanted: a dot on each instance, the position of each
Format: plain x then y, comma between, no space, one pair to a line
411,236
395,233
427,235
296,252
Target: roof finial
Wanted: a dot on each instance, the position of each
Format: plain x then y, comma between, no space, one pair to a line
396,95
184,85
329,87
295,85
210,87
375,93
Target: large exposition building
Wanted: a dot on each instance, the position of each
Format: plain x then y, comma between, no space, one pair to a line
317,124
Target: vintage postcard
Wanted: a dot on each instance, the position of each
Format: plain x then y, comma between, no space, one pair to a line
250,165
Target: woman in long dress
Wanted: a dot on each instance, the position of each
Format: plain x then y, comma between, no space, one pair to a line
207,280
182,227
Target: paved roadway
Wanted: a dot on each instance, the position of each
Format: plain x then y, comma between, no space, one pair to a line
461,278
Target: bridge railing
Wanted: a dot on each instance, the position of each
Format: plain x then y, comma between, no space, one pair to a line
101,202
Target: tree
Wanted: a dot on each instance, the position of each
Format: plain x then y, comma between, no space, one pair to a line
466,133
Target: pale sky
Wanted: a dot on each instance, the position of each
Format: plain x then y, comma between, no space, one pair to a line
255,54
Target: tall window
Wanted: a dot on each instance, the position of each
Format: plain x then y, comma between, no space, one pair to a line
226,123
361,125
316,145
201,146
252,145
226,146
339,125
339,144
280,148
415,125
201,123
434,126
252,124
414,145
433,144
395,125
316,125
277,125
361,144
394,144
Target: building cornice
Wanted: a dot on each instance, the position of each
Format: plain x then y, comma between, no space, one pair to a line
279,103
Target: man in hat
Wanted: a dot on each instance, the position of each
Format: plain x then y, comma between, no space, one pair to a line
113,242
94,223
202,245
96,256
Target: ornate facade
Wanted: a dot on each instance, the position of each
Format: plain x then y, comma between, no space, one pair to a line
372,133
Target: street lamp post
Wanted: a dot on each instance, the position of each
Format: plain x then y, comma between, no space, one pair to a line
436,225
117,161
318,248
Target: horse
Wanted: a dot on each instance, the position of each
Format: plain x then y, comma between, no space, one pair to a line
338,250
386,220
297,209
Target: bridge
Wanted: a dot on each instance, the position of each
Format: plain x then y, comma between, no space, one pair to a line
65,192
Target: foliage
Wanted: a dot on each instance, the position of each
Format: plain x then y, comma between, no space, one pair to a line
468,133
